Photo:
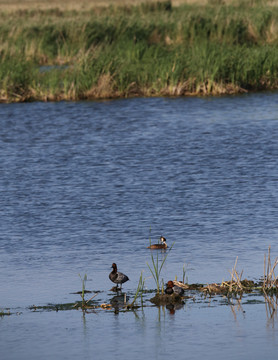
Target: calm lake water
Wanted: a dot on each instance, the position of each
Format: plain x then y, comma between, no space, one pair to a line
86,184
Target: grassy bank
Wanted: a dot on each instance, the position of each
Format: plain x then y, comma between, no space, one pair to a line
150,49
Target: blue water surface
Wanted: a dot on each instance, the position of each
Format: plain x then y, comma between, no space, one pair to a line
85,184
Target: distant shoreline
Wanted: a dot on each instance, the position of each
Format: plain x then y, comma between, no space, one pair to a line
151,49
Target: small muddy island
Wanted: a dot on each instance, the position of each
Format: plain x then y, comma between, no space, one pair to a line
175,293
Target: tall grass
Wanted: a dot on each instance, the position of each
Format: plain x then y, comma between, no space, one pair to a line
148,49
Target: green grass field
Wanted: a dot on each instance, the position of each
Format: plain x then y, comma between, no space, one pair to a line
99,50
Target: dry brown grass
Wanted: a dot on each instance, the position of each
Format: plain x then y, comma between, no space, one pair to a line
64,5
103,89
272,32
10,5
13,5
270,279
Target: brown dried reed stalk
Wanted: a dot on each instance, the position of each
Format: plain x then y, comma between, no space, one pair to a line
235,283
270,279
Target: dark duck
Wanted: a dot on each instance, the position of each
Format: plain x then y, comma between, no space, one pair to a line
171,289
117,277
162,244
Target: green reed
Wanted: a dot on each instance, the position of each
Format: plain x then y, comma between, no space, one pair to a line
149,49
139,291
84,280
184,276
157,268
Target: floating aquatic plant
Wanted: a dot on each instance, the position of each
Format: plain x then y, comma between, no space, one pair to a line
5,313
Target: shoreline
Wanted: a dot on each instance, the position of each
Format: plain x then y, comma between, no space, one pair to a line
172,93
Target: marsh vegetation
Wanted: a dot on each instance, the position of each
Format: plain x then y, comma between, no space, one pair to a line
234,289
148,49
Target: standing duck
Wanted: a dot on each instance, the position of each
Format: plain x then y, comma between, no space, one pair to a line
162,244
117,277
171,288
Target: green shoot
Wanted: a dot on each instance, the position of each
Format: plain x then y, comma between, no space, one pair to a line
139,290
83,288
184,277
157,269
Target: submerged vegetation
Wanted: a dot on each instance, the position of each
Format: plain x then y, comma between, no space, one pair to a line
149,49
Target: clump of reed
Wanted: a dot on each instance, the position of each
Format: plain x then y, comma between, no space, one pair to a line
184,282
84,303
270,285
270,280
146,50
157,268
235,286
